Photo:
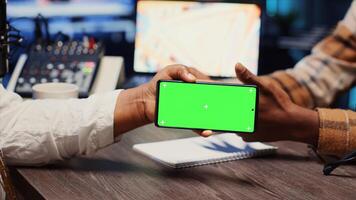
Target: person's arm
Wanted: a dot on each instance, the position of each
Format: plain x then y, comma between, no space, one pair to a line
37,132
278,117
329,69
332,130
137,106
316,80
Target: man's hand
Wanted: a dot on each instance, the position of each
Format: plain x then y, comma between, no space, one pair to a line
136,107
278,117
172,72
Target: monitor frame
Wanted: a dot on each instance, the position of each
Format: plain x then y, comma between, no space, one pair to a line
131,70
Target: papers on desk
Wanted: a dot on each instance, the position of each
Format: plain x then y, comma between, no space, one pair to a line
195,151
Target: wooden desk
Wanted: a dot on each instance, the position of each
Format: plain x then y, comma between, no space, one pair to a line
118,172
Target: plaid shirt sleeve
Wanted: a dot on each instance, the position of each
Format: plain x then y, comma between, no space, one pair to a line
316,80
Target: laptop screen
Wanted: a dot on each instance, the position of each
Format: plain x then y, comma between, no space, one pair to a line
212,37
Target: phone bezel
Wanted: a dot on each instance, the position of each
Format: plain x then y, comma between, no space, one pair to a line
207,83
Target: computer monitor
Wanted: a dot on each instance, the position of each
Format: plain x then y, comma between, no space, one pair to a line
66,8
212,37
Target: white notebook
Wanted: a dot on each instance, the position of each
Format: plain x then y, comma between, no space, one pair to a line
195,151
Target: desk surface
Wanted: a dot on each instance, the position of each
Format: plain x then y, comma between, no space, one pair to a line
118,172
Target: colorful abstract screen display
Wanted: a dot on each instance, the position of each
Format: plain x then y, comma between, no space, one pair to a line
212,37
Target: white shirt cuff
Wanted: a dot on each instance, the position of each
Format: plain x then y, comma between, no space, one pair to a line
105,128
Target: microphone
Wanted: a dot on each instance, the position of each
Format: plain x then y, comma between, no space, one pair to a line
4,48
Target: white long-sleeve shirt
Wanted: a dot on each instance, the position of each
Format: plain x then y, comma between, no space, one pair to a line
37,132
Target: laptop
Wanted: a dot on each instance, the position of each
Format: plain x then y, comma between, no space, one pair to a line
209,36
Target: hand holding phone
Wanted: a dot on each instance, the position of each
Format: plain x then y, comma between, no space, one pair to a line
206,106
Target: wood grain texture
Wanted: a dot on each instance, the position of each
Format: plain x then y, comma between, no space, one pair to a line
117,172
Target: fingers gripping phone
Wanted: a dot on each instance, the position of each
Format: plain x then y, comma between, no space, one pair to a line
218,107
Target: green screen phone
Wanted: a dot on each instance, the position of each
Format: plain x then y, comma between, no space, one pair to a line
206,106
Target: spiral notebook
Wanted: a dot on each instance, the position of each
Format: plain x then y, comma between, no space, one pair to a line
195,151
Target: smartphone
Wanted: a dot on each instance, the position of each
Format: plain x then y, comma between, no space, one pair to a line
221,107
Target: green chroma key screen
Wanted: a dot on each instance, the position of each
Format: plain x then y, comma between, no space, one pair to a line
207,106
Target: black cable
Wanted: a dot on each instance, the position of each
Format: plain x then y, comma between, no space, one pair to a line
328,168
48,37
38,30
43,23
